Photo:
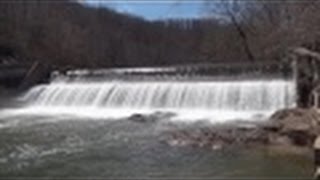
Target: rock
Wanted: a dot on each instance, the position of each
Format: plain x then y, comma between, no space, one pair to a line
288,116
288,128
138,118
301,138
317,174
173,142
271,127
280,140
246,126
299,125
288,113
316,144
150,117
216,147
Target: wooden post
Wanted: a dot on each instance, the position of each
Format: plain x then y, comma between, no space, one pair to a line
32,69
294,65
315,71
316,100
36,73
316,148
295,74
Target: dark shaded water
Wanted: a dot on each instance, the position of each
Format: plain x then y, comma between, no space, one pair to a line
75,147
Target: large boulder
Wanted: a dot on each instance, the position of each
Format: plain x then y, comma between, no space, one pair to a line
301,126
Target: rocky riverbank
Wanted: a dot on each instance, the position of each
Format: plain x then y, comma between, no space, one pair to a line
288,130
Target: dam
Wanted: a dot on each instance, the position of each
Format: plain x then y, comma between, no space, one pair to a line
114,93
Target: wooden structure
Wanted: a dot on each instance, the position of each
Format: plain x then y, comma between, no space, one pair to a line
306,64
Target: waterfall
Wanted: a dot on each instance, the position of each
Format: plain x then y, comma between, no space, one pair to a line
248,95
217,99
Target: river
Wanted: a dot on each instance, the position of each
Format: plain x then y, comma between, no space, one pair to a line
80,129
39,146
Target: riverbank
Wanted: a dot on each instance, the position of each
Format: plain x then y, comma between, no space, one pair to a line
287,131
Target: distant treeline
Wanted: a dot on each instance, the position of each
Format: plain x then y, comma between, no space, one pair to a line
70,34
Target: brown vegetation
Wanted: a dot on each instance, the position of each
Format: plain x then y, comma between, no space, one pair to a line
68,34
269,28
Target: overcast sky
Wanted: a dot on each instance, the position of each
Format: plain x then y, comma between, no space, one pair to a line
155,9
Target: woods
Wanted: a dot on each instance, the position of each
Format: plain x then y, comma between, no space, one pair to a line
67,34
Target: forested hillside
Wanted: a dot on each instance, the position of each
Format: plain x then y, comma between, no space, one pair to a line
69,34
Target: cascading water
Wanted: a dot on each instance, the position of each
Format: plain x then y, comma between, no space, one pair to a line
215,100
238,96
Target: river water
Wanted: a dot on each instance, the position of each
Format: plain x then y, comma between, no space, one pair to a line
39,146
81,129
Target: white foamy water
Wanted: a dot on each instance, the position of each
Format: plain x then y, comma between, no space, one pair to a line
216,101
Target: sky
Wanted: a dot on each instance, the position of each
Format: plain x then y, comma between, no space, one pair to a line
155,9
